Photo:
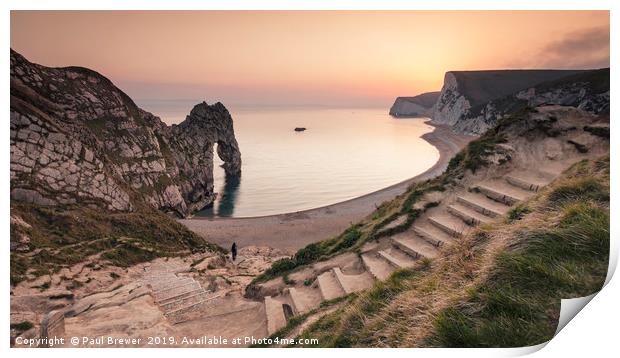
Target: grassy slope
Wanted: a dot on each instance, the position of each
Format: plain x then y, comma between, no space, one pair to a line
499,286
61,237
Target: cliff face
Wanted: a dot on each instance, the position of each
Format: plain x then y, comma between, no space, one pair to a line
474,101
414,106
78,139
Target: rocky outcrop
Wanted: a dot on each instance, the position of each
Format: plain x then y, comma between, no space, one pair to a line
474,101
78,139
414,106
588,90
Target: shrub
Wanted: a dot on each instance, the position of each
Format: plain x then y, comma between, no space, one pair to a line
22,326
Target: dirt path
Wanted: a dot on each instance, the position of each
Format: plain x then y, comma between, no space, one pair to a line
292,231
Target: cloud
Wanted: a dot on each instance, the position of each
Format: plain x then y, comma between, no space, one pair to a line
587,48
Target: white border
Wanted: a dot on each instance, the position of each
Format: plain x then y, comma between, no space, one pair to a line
593,331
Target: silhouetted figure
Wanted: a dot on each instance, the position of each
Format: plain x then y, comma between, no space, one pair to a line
233,251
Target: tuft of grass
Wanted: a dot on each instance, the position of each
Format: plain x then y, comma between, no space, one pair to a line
477,151
295,321
22,326
287,280
517,212
44,286
342,328
587,188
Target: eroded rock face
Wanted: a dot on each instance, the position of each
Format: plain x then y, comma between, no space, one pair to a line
474,101
78,139
416,106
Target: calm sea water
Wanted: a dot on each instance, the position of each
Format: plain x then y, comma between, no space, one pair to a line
343,154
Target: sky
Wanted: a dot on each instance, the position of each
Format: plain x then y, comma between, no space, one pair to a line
343,58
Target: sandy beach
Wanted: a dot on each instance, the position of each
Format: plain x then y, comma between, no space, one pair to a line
292,231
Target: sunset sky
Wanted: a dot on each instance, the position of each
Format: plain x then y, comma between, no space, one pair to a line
305,58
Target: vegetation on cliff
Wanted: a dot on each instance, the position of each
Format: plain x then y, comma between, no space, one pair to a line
46,239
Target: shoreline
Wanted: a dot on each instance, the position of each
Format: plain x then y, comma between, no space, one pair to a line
291,231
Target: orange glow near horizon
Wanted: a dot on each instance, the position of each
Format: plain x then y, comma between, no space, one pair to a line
313,57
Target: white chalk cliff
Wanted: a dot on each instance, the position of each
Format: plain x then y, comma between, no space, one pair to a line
474,101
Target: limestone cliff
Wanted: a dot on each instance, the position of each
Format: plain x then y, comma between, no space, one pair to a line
414,106
586,90
78,139
474,101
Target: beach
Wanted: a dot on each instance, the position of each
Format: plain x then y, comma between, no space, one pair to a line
292,231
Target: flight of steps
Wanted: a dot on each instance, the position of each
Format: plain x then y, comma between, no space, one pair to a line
179,298
481,204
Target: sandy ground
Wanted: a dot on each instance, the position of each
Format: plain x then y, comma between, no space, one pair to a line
292,231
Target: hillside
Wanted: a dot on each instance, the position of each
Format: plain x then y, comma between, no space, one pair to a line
93,175
587,90
460,256
483,86
414,106
474,101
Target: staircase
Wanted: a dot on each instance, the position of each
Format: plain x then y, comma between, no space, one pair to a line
482,203
179,298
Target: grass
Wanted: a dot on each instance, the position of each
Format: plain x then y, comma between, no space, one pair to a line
22,326
518,305
339,328
565,256
477,151
311,253
517,212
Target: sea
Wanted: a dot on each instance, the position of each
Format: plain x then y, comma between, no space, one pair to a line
344,153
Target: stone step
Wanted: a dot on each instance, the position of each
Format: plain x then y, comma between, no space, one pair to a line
275,315
395,259
191,299
180,285
353,283
377,267
177,294
329,286
432,234
524,183
449,224
192,305
394,223
469,216
190,311
483,205
155,278
416,246
298,301
503,193
180,296
163,285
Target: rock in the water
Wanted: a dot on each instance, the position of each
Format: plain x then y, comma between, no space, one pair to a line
78,139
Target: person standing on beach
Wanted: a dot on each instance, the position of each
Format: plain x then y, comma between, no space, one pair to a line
233,251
